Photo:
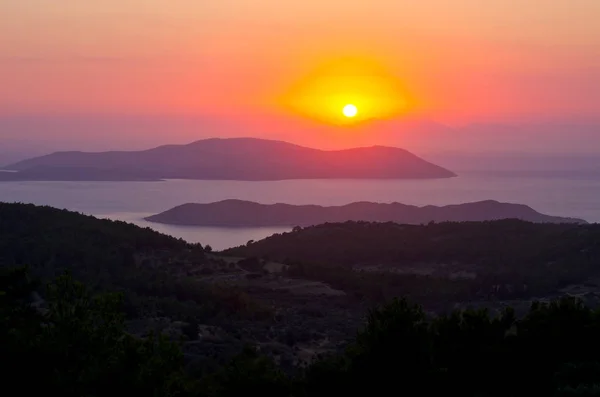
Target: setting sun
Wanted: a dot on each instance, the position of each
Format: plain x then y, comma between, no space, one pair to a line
350,110
335,90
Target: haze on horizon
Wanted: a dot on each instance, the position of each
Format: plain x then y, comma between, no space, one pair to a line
430,76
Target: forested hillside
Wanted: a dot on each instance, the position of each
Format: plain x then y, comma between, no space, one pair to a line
147,266
216,304
439,262
157,316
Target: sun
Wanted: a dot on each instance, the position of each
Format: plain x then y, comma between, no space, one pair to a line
350,110
345,91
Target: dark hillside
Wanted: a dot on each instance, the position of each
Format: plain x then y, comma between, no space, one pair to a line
51,240
468,261
149,267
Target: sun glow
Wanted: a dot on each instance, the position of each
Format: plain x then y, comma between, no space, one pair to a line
350,110
348,84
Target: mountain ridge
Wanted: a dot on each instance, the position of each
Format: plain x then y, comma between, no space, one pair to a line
240,213
239,159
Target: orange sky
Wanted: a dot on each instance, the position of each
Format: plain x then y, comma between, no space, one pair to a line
453,61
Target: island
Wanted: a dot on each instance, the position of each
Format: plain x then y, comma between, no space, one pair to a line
245,159
239,213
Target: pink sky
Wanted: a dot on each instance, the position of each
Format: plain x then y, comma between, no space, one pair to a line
458,61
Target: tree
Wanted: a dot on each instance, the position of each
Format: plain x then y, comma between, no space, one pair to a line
191,329
77,345
250,374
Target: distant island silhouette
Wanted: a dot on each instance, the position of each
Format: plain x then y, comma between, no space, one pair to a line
239,213
246,159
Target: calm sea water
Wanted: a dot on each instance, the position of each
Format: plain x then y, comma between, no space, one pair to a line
132,201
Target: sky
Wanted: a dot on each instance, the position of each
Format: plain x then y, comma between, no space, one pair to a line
285,69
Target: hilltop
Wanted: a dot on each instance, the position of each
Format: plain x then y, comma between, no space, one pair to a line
228,159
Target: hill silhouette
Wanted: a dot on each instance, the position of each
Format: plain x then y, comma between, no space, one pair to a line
229,159
234,213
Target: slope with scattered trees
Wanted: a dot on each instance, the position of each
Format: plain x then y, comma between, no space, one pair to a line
75,344
438,262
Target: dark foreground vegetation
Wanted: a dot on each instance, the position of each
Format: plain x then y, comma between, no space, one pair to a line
76,344
287,316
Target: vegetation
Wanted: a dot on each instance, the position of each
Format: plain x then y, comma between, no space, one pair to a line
52,240
245,337
552,351
75,344
438,262
149,268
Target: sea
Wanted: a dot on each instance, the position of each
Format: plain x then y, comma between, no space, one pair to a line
566,195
